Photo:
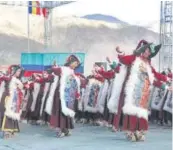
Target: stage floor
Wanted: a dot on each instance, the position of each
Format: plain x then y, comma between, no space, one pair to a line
86,137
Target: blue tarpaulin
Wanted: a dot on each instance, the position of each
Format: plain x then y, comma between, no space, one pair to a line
42,61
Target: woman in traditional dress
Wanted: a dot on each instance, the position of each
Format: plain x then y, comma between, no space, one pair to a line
133,100
106,91
13,102
66,92
27,101
44,84
4,81
78,105
91,108
164,115
44,116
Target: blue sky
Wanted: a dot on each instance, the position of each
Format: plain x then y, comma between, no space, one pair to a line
138,12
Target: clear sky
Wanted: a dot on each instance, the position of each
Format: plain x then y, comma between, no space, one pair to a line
139,12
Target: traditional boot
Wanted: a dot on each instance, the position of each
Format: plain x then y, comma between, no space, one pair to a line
114,129
60,134
131,136
67,132
7,135
140,136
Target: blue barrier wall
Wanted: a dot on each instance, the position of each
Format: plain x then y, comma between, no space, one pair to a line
43,61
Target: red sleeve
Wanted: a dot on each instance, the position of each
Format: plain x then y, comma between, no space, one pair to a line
127,59
4,78
157,83
50,77
159,76
80,75
25,85
31,85
107,74
170,75
117,69
57,71
101,79
41,80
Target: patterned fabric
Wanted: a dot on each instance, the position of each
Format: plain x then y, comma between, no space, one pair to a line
168,104
17,101
158,98
93,95
70,91
139,89
145,94
142,91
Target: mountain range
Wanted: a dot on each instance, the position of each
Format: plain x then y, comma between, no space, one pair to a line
105,18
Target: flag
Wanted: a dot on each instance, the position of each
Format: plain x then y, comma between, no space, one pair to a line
35,9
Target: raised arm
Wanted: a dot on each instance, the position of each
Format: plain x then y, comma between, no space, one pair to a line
126,59
56,70
159,76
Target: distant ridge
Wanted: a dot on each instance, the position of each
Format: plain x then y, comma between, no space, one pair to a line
106,18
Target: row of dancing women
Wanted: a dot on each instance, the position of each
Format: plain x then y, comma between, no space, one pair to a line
121,98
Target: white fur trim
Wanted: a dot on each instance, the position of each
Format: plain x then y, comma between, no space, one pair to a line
86,96
47,84
2,89
35,95
49,103
12,87
110,90
129,106
80,103
102,96
25,100
66,71
116,90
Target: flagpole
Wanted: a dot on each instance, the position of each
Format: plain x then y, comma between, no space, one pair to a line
28,27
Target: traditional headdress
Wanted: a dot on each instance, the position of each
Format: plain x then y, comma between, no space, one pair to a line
71,59
13,69
143,45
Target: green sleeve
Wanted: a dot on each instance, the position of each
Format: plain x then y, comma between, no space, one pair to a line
113,65
163,86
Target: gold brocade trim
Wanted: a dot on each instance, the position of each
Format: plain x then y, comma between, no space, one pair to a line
145,94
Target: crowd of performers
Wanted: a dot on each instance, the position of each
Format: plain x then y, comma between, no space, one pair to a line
122,98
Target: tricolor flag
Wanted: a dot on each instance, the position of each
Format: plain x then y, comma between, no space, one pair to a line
35,9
